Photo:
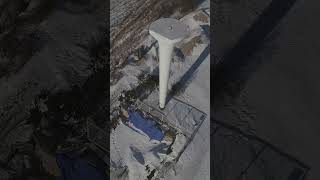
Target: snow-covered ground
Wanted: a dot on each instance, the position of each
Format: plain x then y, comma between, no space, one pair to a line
195,160
135,150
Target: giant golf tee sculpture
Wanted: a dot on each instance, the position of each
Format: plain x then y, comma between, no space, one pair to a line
167,32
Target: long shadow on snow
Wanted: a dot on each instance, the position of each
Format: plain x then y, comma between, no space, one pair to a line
182,83
236,67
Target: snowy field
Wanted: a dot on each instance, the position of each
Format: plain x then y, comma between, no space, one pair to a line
140,155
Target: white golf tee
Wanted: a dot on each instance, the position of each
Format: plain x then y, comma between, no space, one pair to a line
168,32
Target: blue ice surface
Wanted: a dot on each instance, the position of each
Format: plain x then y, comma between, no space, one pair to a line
146,125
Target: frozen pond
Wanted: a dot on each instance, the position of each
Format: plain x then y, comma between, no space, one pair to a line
146,125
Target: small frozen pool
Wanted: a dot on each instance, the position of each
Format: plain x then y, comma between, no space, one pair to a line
146,125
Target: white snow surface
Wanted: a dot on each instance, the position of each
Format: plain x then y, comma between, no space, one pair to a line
194,164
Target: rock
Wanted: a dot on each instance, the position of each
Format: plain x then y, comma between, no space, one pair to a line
201,17
124,113
168,137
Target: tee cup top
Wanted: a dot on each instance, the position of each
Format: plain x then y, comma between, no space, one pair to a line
168,29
